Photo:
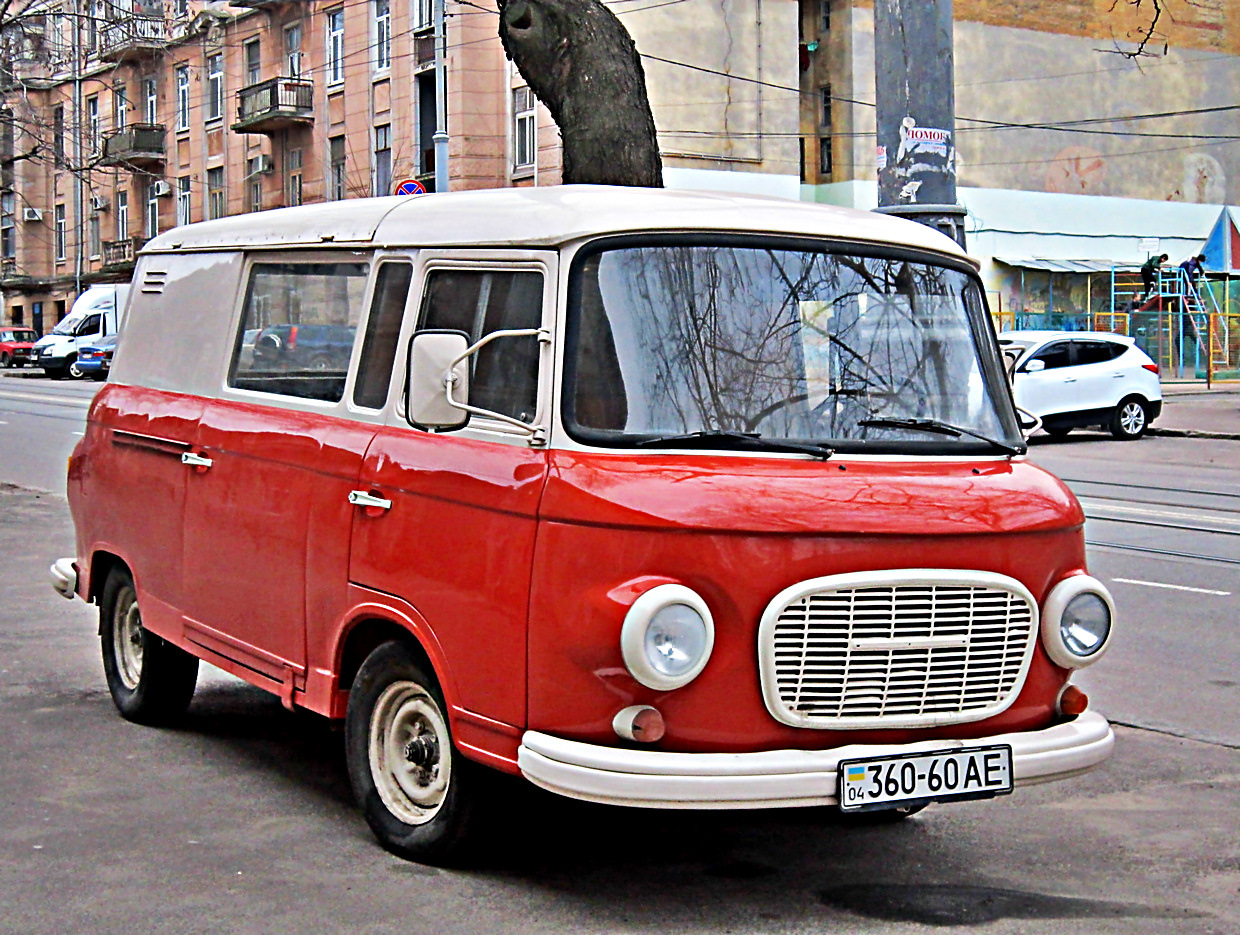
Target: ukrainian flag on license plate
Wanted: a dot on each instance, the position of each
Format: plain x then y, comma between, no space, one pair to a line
856,773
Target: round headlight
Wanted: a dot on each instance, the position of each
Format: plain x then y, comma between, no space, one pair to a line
667,636
1077,621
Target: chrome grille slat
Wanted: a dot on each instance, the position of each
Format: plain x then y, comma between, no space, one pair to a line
824,662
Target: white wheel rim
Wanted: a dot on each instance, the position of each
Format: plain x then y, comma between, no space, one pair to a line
409,754
127,638
1132,418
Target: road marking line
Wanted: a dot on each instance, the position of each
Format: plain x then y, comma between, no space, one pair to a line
1171,587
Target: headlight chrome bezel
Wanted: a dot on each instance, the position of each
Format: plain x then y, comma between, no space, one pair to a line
1054,607
637,621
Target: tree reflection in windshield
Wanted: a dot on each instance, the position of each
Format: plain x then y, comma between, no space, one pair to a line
785,343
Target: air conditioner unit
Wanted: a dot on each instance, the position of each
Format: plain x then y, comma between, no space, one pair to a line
98,203
161,189
264,164
32,214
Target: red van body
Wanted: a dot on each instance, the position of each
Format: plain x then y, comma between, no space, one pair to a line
473,594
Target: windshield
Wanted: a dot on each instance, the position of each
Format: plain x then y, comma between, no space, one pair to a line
68,325
784,343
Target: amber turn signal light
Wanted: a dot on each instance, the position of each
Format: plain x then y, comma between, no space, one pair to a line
1072,701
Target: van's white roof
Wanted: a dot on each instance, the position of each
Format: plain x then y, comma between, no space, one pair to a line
539,217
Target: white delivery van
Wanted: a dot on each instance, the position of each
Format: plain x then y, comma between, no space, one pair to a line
96,314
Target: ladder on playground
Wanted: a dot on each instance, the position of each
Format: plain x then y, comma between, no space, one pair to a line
1200,311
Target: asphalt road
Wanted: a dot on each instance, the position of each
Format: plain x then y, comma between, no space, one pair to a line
241,820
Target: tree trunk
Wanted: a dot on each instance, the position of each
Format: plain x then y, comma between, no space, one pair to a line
581,62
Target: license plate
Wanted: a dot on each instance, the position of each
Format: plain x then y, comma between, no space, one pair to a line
915,778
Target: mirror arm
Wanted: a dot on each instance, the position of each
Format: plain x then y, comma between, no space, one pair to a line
544,337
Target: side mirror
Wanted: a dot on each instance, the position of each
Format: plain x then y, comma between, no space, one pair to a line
437,381
1035,365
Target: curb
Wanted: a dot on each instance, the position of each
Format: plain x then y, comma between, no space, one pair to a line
1193,433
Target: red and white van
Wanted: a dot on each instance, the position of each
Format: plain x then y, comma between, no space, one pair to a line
653,498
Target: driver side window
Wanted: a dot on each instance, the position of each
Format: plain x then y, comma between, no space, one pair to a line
89,325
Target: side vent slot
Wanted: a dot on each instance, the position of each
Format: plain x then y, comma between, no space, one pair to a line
154,281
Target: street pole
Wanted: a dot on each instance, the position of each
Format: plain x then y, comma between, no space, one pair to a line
915,98
441,100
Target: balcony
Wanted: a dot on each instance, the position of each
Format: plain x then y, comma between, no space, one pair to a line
137,146
263,4
132,37
275,104
119,255
10,277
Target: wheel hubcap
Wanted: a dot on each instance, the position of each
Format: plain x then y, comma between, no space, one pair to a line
408,740
127,639
1132,418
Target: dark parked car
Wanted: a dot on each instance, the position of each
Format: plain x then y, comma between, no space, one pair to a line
304,347
95,361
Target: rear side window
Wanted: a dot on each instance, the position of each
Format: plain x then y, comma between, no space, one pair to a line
1097,352
298,329
505,372
387,309
1054,355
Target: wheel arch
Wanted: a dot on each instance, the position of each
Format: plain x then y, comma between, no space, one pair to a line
101,564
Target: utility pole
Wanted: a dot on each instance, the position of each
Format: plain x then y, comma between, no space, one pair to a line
916,104
440,138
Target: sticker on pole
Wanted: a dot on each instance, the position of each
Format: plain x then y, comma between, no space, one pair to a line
409,187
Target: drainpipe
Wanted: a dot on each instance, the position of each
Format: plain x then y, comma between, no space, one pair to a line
441,100
78,157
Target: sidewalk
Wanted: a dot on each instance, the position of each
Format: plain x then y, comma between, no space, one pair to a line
1189,409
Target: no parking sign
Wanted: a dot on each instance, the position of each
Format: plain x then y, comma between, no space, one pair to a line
410,187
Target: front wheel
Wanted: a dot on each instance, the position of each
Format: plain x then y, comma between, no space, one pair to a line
412,785
1129,420
5,360
150,679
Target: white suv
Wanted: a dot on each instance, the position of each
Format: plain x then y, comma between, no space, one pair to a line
1081,378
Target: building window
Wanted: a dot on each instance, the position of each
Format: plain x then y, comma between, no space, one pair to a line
215,192
215,86
120,107
182,8
335,46
254,169
58,135
152,208
62,233
824,16
293,162
523,127
423,15
824,94
96,236
150,93
253,62
184,202
336,161
92,123
122,214
292,51
824,158
383,160
383,34
8,225
182,97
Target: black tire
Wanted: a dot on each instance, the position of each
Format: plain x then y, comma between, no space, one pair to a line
73,370
397,718
1057,431
5,360
1130,419
151,680
54,373
98,375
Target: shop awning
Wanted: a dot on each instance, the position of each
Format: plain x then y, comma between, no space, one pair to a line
1059,266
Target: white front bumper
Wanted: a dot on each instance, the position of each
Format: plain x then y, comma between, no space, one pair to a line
777,778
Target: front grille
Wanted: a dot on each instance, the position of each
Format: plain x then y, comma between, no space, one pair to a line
896,649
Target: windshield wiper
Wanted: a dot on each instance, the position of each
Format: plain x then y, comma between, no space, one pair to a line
745,440
940,428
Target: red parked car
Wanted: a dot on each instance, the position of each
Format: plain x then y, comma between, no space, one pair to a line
15,345
653,498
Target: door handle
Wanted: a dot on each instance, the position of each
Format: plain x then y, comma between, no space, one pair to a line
196,460
1069,379
362,498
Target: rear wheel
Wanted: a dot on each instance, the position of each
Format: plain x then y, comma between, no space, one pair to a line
1130,419
5,360
151,680
98,375
414,788
1057,431
54,373
75,372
